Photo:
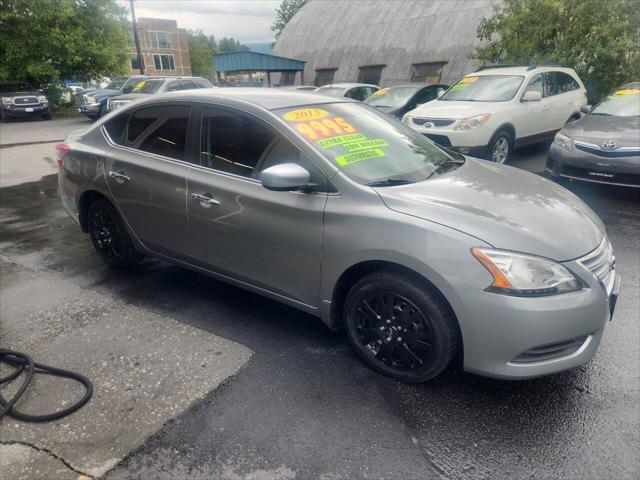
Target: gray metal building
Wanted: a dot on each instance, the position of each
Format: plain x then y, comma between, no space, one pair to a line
383,41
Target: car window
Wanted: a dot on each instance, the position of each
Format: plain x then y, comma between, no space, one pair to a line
425,95
175,86
188,85
168,134
559,82
232,142
536,85
116,127
359,93
139,123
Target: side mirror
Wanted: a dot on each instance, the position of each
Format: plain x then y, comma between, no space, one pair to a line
127,89
531,96
285,177
585,109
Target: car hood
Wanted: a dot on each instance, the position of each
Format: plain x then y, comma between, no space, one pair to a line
601,128
452,109
390,110
132,96
505,207
101,93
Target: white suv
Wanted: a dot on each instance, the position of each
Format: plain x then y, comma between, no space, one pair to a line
488,113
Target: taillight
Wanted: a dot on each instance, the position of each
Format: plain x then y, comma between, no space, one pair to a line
62,149
586,94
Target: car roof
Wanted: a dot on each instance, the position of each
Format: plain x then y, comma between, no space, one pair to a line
267,98
349,85
523,71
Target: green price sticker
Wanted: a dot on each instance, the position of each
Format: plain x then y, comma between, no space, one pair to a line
354,157
366,144
341,140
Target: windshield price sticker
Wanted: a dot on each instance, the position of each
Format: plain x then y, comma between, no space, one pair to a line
324,128
628,91
366,144
464,83
139,86
380,92
354,157
305,115
341,140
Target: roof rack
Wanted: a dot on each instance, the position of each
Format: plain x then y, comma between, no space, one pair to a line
487,67
533,67
529,67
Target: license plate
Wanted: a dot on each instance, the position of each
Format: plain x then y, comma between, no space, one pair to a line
28,109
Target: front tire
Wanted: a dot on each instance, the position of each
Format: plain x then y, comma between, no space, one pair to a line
109,236
399,328
500,147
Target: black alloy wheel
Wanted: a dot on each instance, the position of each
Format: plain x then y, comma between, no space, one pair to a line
399,328
109,236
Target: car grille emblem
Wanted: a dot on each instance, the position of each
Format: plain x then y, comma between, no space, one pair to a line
609,145
429,125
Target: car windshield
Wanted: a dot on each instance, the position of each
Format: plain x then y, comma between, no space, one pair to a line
148,86
484,88
621,103
116,84
391,97
331,91
369,146
16,87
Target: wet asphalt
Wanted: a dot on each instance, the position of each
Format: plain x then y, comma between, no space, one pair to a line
305,407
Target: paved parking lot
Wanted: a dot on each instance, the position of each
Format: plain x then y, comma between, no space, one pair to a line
301,404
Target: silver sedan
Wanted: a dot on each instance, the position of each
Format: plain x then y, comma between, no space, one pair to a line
424,256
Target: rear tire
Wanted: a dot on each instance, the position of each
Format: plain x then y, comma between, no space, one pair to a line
110,237
500,147
399,328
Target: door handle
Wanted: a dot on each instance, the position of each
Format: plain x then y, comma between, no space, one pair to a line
205,199
119,177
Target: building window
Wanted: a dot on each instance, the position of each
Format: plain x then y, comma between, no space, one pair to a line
160,39
288,78
370,74
427,72
135,65
324,76
164,62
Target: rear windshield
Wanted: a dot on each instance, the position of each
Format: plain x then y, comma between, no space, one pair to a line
331,91
484,88
391,97
147,86
621,103
369,146
16,87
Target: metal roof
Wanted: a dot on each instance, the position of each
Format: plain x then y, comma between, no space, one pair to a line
254,62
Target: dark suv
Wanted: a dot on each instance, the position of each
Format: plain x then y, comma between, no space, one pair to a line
20,99
93,103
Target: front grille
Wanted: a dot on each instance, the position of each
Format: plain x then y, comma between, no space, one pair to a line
601,262
437,122
79,99
607,153
632,179
25,101
439,139
549,352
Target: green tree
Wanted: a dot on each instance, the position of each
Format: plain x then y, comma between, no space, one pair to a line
598,38
43,41
230,45
284,13
200,52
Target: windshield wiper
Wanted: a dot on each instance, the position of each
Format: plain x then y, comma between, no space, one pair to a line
389,182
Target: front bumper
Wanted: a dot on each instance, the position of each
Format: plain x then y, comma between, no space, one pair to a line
516,338
25,111
469,142
90,109
584,166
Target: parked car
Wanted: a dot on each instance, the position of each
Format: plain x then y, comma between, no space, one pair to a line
21,99
604,145
490,112
155,86
399,99
297,87
422,254
357,91
93,103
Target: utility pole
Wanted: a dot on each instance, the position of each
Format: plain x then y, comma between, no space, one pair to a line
135,36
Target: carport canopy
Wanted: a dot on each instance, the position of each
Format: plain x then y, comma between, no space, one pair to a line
249,61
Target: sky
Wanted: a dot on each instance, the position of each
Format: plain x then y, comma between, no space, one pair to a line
248,21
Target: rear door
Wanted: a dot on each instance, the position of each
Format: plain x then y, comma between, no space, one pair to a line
271,240
565,98
146,174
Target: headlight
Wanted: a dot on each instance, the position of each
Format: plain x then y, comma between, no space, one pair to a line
42,98
7,100
470,123
525,275
563,141
89,99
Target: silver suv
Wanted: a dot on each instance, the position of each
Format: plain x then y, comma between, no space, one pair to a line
328,205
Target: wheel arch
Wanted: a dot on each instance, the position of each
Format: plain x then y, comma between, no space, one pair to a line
509,127
357,271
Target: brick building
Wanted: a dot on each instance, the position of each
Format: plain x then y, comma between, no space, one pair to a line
164,47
